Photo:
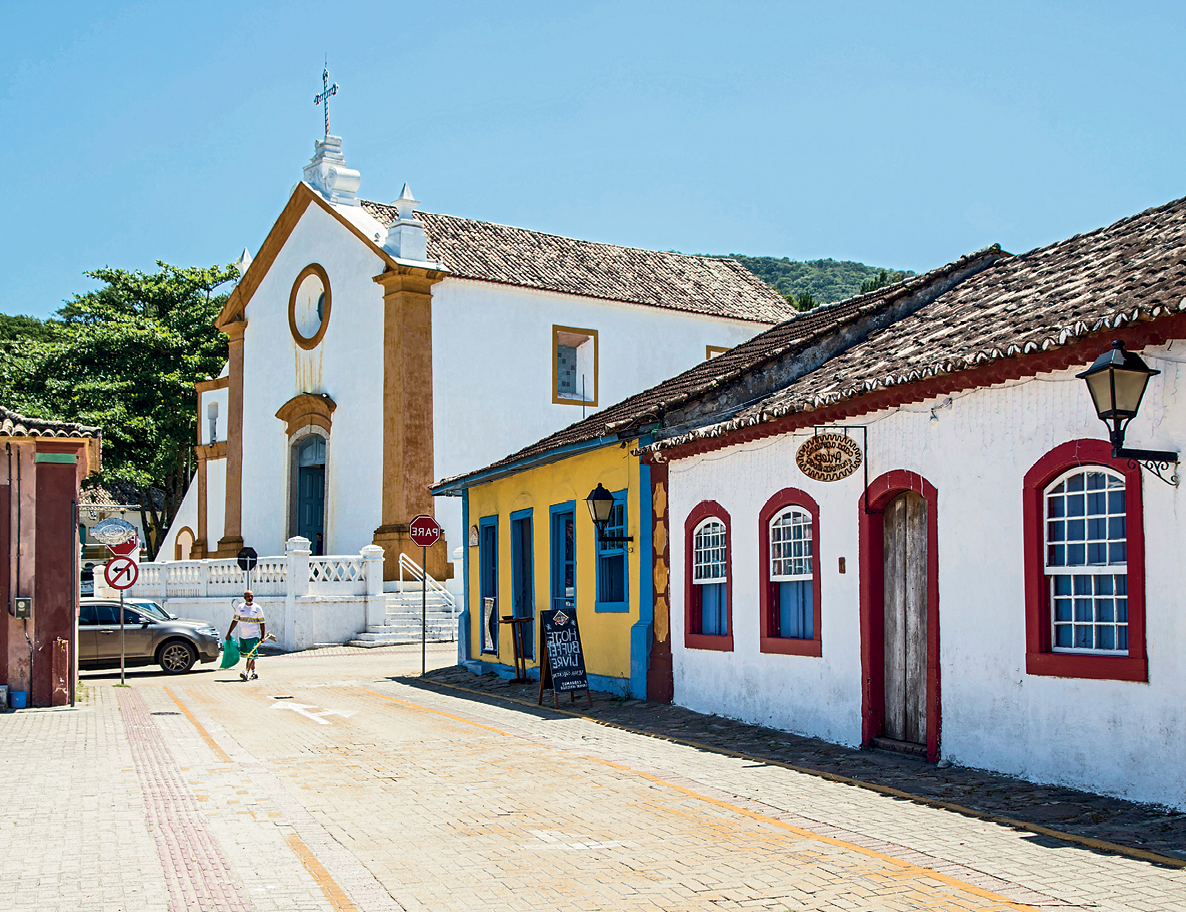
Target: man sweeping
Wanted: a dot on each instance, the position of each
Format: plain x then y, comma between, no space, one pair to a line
249,618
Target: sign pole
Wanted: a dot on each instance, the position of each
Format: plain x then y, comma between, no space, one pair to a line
121,636
423,610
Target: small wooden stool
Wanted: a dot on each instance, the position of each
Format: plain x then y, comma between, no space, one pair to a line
518,647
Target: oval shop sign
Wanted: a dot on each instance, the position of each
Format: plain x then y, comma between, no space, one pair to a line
829,457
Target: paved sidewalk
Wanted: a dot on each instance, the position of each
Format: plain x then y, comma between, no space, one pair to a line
336,784
1142,828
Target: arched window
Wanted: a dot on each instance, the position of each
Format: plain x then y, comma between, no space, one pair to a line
708,612
1084,565
1087,561
790,574
709,575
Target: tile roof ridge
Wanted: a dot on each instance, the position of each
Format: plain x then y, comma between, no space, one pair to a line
566,237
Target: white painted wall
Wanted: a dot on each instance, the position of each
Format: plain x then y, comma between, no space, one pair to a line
347,366
1114,737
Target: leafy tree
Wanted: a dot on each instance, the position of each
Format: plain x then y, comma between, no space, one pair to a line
824,281
804,301
125,357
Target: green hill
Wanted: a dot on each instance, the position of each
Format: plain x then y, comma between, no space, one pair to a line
811,282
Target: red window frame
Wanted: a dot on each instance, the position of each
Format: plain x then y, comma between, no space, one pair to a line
701,512
768,601
1040,657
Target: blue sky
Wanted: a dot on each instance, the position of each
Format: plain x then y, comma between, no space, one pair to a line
900,135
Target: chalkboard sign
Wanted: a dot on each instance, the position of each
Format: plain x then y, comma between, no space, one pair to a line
564,660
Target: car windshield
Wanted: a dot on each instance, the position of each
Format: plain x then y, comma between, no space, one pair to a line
152,609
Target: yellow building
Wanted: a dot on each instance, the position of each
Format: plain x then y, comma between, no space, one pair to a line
533,546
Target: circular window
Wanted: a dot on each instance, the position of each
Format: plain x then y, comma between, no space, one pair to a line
308,306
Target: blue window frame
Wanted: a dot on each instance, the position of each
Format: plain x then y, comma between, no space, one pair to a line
564,555
488,582
613,593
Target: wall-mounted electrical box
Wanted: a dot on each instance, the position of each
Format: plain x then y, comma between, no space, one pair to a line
22,609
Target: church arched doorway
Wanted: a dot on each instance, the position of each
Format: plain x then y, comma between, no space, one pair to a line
311,492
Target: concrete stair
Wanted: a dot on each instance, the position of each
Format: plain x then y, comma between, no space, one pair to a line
402,623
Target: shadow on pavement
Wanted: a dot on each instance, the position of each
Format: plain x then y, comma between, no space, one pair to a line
1055,815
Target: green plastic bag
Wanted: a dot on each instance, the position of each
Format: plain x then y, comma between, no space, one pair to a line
230,654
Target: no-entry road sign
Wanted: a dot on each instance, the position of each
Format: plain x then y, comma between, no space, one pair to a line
121,573
424,531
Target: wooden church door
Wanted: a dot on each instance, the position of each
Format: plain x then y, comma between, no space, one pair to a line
905,607
311,492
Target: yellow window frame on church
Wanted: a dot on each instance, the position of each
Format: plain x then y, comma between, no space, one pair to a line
575,366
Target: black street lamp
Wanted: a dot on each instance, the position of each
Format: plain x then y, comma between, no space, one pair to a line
601,505
1117,382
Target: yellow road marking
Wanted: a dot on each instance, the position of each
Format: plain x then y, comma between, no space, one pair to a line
210,742
905,866
335,894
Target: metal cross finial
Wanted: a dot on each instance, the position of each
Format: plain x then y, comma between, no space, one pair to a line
328,90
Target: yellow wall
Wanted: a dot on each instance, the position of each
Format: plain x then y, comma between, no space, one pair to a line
605,636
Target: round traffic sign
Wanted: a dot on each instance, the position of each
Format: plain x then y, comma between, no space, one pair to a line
424,531
121,573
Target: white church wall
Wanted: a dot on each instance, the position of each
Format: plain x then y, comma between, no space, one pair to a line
187,515
493,367
1115,737
347,366
215,499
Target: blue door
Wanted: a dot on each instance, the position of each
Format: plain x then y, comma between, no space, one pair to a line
522,577
311,492
564,591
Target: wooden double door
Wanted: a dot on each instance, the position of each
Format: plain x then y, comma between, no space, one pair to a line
905,630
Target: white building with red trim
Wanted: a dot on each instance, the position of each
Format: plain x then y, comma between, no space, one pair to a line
989,586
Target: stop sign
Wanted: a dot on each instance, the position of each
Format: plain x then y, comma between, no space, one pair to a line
125,549
424,531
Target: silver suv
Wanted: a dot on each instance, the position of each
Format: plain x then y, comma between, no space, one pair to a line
151,636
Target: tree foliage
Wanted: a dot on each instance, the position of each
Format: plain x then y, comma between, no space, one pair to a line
808,283
125,357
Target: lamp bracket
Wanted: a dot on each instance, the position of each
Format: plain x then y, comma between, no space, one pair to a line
1155,462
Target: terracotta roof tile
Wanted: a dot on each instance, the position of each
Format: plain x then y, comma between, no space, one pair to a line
1130,271
715,286
14,425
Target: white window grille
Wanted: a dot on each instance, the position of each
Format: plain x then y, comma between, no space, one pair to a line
1086,539
790,546
708,552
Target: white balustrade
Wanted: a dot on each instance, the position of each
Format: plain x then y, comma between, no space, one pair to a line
348,574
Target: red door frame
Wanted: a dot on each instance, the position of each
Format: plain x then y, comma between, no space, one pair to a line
878,494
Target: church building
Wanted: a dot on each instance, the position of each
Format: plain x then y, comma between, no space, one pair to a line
375,348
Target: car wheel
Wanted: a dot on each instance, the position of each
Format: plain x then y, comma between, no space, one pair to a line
177,657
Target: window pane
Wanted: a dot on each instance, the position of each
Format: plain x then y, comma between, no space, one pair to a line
790,544
708,552
1062,636
611,578
713,618
796,610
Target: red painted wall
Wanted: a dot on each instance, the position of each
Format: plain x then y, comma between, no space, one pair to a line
55,587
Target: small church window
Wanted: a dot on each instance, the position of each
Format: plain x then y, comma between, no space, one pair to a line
309,306
312,452
574,366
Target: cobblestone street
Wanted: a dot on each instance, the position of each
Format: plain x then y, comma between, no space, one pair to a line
331,784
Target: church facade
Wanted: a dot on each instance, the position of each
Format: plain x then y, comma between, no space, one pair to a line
375,348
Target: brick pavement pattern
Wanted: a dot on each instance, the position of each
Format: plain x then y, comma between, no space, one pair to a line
366,793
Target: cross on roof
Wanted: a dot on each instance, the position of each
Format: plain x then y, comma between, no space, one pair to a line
327,91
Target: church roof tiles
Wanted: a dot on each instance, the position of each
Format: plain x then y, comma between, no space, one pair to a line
488,252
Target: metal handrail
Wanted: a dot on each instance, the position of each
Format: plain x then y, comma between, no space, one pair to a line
418,574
